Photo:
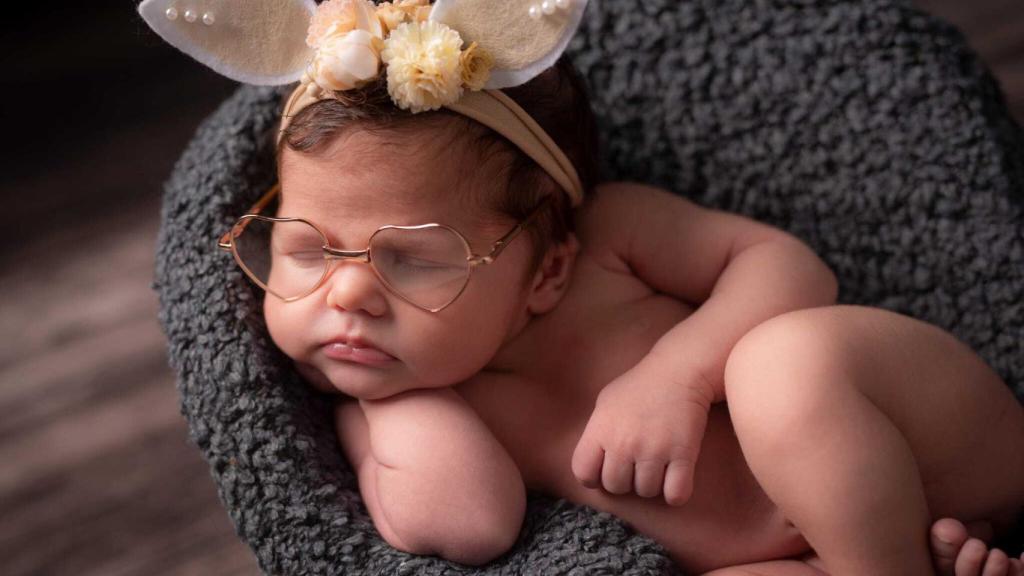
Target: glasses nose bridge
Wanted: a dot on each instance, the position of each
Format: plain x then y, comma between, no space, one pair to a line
358,255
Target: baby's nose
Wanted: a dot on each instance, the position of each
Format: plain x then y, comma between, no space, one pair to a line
353,286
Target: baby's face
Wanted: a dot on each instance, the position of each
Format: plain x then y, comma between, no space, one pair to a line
349,198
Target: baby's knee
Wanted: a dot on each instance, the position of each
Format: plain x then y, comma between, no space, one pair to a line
783,371
785,349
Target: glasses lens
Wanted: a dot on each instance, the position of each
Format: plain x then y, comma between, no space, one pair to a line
428,266
285,258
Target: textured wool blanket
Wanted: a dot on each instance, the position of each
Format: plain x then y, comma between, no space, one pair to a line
867,129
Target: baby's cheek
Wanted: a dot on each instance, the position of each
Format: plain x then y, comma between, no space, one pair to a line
282,328
285,332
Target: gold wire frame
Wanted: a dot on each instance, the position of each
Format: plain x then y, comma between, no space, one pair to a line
226,242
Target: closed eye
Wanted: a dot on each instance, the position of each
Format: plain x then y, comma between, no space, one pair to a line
420,262
306,255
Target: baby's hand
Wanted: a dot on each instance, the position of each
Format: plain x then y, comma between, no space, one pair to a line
645,433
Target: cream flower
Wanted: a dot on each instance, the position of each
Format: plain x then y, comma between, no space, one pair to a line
347,60
476,65
392,15
423,61
422,14
340,16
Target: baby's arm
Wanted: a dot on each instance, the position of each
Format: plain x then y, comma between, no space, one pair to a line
738,272
434,478
646,430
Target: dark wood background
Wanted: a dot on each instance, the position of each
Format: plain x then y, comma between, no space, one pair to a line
97,475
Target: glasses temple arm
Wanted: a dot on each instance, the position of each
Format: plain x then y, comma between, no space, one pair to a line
225,240
500,244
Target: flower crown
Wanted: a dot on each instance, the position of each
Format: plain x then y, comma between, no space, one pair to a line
426,66
344,44
432,53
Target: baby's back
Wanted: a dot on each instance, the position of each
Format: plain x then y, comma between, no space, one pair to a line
538,404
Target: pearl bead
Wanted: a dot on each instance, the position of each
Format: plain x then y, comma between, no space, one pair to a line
190,15
208,19
547,7
172,13
535,12
563,4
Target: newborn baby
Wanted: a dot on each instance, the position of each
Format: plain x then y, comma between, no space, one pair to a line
683,368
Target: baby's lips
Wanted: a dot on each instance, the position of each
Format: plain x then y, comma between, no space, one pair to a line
353,348
368,355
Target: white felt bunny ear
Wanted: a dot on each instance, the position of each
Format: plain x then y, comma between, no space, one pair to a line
252,41
264,41
525,37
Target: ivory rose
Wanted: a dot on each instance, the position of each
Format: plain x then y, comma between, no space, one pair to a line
347,60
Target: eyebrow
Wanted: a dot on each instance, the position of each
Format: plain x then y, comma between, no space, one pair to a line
287,233
323,223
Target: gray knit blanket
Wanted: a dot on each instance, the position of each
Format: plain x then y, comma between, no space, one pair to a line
867,129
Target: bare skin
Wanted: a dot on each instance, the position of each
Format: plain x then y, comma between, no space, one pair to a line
919,433
732,412
957,550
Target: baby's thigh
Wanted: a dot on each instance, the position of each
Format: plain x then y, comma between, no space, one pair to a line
962,422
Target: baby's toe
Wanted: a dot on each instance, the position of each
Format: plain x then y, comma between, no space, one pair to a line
948,537
971,558
1016,567
997,564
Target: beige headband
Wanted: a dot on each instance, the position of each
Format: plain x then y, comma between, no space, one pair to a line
492,108
456,54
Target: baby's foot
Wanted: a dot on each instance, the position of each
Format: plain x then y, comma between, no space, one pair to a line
959,552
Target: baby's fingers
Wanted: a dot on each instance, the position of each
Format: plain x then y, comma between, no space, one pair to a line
587,461
648,477
678,482
617,473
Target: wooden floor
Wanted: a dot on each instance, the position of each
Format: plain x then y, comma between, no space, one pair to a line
97,476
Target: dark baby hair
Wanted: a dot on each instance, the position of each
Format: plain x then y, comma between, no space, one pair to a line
557,99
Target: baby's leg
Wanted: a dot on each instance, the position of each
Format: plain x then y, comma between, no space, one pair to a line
863,425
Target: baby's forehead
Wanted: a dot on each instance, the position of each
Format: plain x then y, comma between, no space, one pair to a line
364,177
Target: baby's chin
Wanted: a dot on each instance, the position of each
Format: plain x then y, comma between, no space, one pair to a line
347,385
317,379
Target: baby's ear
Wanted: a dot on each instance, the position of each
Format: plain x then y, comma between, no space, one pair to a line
551,280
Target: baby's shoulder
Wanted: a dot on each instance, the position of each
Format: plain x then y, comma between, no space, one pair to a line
616,194
607,223
617,207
